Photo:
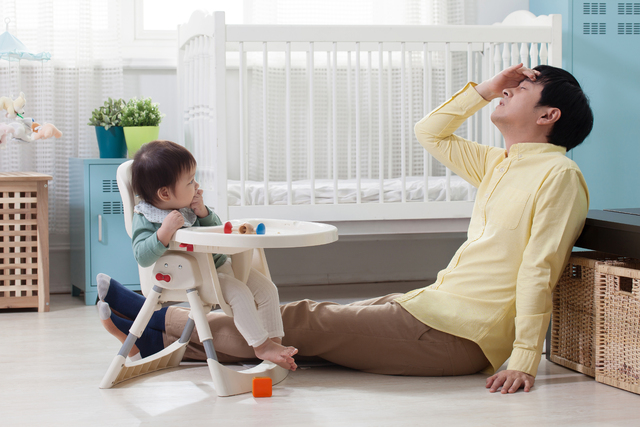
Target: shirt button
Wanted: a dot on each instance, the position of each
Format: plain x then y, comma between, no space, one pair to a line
520,156
501,169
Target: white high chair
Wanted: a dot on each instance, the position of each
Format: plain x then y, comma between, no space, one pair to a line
187,273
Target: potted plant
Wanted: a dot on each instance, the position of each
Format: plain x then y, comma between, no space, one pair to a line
107,121
141,122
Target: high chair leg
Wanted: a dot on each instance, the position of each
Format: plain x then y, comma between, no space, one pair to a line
121,369
226,381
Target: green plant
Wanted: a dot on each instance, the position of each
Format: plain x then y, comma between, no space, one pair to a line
141,112
110,114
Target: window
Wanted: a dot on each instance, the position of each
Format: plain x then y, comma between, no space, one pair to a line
149,27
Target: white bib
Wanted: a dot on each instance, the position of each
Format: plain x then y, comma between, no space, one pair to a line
156,215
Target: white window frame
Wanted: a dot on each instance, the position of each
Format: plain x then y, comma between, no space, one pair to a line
143,48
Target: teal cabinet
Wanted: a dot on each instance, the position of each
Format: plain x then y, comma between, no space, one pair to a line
599,46
99,241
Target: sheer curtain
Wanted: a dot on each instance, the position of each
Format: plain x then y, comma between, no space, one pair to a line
83,37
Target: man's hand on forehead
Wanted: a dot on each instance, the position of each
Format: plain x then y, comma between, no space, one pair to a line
508,78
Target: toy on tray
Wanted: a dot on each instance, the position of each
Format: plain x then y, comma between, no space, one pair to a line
244,228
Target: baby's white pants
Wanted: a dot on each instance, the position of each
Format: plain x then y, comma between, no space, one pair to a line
255,306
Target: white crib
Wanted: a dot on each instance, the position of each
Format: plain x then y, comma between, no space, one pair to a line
326,132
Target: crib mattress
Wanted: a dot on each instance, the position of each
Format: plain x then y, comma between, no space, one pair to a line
460,190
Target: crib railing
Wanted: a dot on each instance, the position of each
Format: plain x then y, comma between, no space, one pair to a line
336,103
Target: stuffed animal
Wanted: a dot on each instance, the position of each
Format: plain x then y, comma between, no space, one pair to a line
6,133
45,131
13,107
22,129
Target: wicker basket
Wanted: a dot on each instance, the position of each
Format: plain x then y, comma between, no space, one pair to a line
574,311
618,326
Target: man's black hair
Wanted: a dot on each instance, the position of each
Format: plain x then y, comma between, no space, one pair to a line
561,90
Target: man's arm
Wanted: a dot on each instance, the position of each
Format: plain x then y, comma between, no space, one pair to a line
560,210
435,132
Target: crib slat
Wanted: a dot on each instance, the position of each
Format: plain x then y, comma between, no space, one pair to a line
448,72
470,78
390,116
287,125
241,77
534,55
335,123
403,153
472,124
265,160
410,115
329,142
506,55
380,127
515,55
497,62
358,139
426,83
349,119
311,149
369,116
202,46
524,54
544,54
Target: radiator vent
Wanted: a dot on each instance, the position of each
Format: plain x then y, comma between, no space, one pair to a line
629,28
628,8
595,8
110,186
112,208
594,28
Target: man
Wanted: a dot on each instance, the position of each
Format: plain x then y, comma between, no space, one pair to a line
493,301
530,208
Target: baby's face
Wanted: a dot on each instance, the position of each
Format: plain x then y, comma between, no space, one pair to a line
184,191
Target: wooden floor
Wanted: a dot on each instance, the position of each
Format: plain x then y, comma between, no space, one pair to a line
51,364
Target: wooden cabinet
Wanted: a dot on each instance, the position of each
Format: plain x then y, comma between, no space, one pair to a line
99,241
24,240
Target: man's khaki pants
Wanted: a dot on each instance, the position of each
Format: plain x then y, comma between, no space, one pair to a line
376,335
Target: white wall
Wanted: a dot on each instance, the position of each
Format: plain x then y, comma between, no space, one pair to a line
492,11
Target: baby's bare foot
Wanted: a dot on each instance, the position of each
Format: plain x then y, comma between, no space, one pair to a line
278,354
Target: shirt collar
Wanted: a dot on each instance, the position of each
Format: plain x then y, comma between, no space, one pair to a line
520,150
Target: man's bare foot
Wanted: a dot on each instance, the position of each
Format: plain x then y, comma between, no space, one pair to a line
276,353
105,318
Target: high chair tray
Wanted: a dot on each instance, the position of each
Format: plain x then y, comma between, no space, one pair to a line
279,233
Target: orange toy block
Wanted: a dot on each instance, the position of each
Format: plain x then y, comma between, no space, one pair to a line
262,387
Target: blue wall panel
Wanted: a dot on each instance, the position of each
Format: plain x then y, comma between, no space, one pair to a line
605,42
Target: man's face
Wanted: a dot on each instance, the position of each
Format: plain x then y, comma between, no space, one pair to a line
518,105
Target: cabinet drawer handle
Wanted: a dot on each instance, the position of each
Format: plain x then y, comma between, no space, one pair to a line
99,228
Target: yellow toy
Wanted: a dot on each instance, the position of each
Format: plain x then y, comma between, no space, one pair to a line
14,107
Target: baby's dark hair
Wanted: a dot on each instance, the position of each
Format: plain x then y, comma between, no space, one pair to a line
562,90
159,164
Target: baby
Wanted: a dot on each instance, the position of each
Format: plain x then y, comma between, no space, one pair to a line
163,176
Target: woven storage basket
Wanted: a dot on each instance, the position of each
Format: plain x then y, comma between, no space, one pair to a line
574,311
618,326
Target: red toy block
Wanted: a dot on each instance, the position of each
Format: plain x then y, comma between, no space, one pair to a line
262,387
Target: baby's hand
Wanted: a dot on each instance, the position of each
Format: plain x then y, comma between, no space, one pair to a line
170,225
197,204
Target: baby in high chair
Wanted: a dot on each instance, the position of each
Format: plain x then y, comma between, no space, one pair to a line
163,176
